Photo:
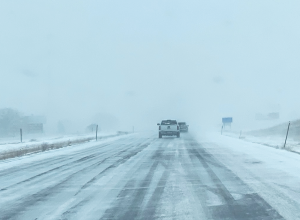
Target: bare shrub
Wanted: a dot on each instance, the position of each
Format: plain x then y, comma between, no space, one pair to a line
44,146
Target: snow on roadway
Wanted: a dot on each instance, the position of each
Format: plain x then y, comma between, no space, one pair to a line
142,177
271,172
27,159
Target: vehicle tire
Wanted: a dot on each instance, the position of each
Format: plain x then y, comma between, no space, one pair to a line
159,135
178,135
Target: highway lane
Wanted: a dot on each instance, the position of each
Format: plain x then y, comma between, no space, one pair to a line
134,177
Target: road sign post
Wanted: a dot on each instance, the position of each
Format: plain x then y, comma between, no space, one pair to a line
227,121
287,133
21,135
96,132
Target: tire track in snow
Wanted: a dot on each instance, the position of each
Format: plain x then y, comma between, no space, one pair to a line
50,161
250,206
90,155
129,185
129,200
42,195
117,163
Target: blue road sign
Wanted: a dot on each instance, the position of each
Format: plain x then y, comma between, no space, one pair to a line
226,120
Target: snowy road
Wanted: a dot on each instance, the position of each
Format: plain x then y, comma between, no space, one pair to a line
143,177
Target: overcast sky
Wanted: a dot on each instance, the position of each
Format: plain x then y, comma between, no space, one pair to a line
142,61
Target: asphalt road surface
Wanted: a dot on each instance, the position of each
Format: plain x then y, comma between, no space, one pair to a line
132,177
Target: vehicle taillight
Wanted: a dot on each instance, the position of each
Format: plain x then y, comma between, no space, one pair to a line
159,127
177,127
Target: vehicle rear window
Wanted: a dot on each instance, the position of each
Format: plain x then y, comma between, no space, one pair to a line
181,123
169,122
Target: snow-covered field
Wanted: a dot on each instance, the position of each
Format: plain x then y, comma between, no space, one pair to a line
271,141
273,137
9,147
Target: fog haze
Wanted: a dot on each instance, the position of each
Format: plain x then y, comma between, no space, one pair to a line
134,63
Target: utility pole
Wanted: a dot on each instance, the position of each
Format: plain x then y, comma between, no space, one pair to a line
287,133
96,132
222,130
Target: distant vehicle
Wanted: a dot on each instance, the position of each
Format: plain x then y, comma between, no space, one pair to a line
183,127
168,128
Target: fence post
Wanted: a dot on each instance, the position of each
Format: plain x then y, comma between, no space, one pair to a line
96,132
287,133
21,135
222,130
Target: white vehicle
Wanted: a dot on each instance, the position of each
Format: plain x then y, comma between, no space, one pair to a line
168,128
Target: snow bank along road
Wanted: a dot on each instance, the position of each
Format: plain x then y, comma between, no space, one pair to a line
143,177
